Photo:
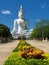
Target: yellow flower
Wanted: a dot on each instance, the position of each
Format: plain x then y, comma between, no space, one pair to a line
19,47
30,53
24,47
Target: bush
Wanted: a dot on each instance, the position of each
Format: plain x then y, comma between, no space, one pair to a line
30,52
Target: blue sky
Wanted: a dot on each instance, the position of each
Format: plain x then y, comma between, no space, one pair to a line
35,10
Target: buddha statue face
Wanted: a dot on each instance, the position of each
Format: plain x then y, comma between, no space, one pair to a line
21,13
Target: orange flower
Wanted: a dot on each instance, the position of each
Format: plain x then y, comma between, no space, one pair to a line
22,54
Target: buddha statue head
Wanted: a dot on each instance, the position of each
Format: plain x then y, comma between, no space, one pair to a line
21,12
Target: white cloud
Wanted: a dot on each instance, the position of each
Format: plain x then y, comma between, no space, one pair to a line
44,4
6,12
35,20
38,20
31,30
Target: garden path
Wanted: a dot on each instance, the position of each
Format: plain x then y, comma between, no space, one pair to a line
6,49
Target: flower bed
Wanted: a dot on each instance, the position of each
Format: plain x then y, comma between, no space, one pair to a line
25,54
28,52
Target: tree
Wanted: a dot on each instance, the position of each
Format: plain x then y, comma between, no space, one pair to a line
41,30
4,31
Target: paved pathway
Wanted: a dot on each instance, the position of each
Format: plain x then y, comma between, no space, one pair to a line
41,45
6,50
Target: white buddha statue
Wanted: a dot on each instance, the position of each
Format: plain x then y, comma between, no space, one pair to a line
20,24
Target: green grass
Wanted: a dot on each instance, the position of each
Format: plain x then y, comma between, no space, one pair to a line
16,59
